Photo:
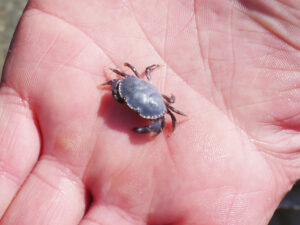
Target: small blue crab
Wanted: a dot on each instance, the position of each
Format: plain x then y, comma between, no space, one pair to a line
142,97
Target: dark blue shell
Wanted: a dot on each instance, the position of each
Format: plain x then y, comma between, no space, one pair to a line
142,97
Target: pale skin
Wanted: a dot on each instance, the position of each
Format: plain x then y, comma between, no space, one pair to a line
67,152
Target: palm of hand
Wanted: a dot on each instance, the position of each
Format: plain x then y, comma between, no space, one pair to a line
230,162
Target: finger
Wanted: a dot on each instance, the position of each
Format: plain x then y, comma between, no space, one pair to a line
109,215
19,144
52,195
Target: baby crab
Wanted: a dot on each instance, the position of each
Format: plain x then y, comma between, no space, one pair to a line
142,97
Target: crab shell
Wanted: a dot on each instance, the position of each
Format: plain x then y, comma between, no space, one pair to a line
142,97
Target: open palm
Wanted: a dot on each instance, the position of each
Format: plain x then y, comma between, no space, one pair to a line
67,152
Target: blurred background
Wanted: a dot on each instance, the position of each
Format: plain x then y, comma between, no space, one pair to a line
288,212
10,12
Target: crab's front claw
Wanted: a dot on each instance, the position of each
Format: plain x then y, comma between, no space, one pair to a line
156,127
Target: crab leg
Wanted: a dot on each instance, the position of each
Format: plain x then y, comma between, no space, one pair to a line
110,82
134,70
149,69
169,99
173,119
171,108
119,72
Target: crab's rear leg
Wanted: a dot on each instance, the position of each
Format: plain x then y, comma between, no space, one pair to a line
157,126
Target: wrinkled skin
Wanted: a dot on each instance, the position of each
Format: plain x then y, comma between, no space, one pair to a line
67,154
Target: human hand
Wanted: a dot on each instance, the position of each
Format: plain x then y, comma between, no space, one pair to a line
67,152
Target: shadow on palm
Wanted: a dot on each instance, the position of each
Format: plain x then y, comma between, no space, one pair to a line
122,119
